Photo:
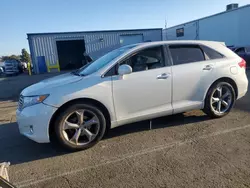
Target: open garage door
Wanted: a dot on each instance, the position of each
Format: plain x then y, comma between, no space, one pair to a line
70,54
130,39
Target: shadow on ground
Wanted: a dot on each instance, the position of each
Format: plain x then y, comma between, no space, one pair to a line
17,149
163,122
244,103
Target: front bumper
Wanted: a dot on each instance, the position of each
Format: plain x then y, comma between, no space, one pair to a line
33,122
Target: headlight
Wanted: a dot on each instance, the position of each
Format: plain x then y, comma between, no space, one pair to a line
32,100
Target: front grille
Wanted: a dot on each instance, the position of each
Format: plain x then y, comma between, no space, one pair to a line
20,103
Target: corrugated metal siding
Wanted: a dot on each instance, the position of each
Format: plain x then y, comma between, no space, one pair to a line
244,28
190,32
230,27
224,27
45,44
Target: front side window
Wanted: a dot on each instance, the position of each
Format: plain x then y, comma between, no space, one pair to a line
103,61
182,54
147,59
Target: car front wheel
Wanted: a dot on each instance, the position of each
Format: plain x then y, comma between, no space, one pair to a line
80,126
219,100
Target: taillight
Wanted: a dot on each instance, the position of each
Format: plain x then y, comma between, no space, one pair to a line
243,64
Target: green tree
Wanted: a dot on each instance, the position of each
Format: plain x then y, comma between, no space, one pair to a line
25,57
4,58
16,57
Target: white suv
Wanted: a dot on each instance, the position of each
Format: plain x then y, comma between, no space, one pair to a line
132,83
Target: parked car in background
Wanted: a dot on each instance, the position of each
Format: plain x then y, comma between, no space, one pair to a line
243,52
1,68
24,66
130,84
12,67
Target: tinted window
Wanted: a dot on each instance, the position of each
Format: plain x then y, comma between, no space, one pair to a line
186,54
248,49
112,71
212,54
147,59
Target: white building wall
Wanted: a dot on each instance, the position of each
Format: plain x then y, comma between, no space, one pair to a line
232,27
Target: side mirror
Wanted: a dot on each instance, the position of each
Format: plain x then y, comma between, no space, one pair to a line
124,69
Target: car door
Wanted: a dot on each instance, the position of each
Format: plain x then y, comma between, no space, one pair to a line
192,73
146,92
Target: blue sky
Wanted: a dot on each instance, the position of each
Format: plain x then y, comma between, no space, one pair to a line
18,17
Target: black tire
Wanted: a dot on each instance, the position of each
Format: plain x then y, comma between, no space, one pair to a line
59,124
208,106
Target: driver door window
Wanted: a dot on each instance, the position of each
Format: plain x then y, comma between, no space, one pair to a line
148,59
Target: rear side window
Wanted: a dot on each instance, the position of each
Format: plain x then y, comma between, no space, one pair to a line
212,54
182,54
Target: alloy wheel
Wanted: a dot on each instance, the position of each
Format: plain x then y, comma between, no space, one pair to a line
81,127
221,99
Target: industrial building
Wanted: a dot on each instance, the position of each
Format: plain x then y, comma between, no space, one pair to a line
231,26
65,51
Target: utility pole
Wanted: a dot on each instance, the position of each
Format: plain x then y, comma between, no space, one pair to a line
166,24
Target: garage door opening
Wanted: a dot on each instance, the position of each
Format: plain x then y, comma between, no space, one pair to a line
71,54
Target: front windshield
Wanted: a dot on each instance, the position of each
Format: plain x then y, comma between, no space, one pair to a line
102,61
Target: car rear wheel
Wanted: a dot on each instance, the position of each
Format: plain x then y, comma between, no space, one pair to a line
219,100
80,126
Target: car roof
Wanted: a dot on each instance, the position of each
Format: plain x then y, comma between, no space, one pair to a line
216,45
197,42
179,42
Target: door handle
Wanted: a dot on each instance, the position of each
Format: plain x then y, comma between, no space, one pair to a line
208,67
163,76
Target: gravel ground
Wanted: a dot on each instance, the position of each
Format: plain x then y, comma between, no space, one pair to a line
187,150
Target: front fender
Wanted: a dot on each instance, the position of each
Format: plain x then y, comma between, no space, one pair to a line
99,89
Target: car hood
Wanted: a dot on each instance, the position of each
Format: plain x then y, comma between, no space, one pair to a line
46,86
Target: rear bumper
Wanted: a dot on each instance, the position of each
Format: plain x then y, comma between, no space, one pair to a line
242,84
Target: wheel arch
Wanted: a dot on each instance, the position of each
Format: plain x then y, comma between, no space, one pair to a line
224,79
94,102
